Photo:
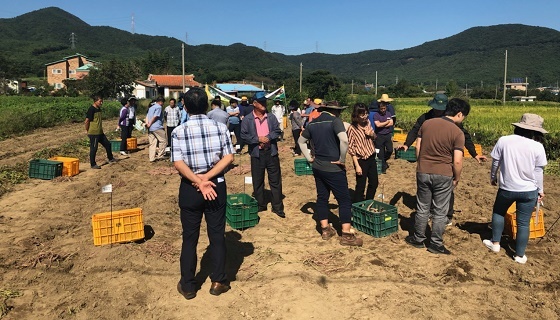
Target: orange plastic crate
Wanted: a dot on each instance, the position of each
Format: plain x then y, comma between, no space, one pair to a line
117,227
399,137
70,166
477,148
131,144
535,231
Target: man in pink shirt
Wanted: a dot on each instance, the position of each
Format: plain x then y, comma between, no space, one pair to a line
261,132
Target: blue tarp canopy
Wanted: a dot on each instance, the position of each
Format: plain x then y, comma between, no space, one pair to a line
238,87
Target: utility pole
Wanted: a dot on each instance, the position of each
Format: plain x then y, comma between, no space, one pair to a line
352,86
496,95
183,59
526,86
73,40
316,46
376,84
397,80
505,76
436,84
300,75
466,90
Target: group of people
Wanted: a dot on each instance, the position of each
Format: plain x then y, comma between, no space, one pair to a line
202,150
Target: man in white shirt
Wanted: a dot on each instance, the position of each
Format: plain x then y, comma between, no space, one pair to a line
278,110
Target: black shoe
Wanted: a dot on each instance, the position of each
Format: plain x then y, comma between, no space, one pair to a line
410,240
281,214
438,249
95,167
219,288
113,160
188,295
262,208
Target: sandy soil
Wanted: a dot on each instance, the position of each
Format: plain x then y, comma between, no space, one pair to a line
280,269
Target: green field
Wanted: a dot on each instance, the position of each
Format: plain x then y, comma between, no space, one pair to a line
21,114
487,121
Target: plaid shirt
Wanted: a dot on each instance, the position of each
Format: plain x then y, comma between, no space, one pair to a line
200,143
173,116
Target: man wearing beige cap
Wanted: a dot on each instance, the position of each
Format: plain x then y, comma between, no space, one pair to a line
383,121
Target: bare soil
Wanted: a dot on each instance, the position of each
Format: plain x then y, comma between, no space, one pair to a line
280,269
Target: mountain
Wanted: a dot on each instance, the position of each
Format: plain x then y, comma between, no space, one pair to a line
472,56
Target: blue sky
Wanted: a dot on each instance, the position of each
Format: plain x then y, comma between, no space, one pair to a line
297,27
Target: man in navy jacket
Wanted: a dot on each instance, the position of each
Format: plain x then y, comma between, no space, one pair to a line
260,132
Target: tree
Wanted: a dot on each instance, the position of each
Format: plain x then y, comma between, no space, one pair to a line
112,79
320,83
451,88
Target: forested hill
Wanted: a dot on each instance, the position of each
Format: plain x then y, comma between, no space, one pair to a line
474,55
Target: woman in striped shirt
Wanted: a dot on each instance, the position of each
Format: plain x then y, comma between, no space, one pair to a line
362,149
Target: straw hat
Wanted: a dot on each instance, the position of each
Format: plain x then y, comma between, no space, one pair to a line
384,98
531,121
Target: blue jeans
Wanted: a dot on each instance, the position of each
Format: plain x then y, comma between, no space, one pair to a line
432,199
525,202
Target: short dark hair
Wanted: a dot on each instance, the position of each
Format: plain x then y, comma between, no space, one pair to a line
124,101
232,101
217,102
359,109
456,105
160,99
172,99
196,101
96,97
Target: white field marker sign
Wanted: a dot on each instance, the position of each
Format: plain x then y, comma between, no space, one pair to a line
107,189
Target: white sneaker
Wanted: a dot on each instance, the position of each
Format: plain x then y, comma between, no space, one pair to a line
521,260
490,245
167,149
124,153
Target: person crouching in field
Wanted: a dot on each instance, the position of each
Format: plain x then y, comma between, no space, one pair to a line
521,159
94,130
201,151
439,153
362,149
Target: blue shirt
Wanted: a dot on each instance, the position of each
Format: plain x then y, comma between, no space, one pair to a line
184,115
155,111
200,143
233,119
218,115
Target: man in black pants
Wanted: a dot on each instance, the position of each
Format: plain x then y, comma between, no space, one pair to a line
202,150
260,132
330,142
383,128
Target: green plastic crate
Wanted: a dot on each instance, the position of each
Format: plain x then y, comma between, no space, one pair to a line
409,155
242,211
115,145
302,167
45,169
377,224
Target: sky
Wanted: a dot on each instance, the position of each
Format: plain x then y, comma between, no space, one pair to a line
298,27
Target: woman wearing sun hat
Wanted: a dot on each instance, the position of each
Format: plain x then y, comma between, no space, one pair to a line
521,159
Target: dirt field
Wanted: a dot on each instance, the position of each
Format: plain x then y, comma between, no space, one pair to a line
280,269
